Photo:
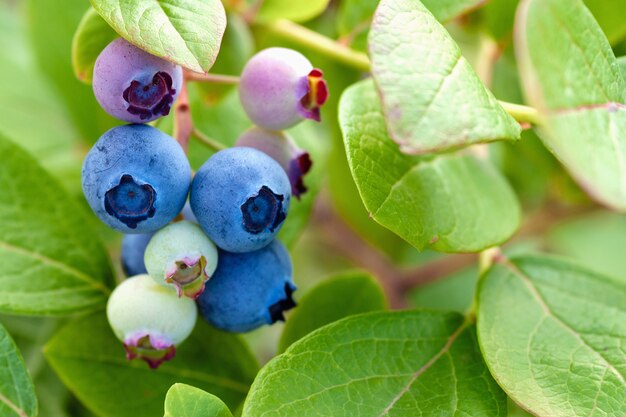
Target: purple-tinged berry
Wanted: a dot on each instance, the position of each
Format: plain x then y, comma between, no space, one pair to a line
295,161
133,249
249,290
279,88
134,86
187,213
240,197
136,178
150,319
181,256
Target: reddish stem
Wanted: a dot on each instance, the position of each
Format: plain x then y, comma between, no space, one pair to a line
183,125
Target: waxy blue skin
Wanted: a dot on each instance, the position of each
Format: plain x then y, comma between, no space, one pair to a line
133,249
239,296
240,198
136,179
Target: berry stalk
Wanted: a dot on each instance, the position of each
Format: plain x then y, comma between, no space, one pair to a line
211,78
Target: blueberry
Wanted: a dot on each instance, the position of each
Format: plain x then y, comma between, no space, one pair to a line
240,197
181,256
249,290
295,161
150,319
134,86
279,88
133,249
136,178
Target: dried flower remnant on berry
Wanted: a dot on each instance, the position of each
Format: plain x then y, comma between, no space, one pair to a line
130,202
263,211
153,99
316,95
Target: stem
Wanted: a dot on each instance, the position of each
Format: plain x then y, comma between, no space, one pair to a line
487,257
359,60
183,125
521,113
211,78
320,43
209,142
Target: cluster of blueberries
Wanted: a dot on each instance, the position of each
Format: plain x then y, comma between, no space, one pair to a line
207,239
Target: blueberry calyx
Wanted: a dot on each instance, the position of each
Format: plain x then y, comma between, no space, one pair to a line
298,167
129,202
278,308
154,350
316,95
147,100
188,275
263,211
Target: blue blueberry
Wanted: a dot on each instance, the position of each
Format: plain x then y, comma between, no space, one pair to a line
295,161
136,178
249,290
240,197
133,249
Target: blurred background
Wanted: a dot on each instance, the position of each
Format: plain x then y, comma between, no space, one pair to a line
46,110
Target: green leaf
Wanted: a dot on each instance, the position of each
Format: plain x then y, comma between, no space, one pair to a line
449,202
566,61
570,74
354,16
622,66
516,411
29,334
17,393
294,10
186,401
347,201
445,10
552,334
335,298
87,357
52,261
92,36
187,32
609,14
431,97
500,15
383,363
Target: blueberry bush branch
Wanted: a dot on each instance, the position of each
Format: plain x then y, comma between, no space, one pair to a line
211,78
207,141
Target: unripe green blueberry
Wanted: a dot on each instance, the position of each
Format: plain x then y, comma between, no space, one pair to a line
150,319
181,256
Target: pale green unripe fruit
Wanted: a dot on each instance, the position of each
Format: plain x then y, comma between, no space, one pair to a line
150,319
182,257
